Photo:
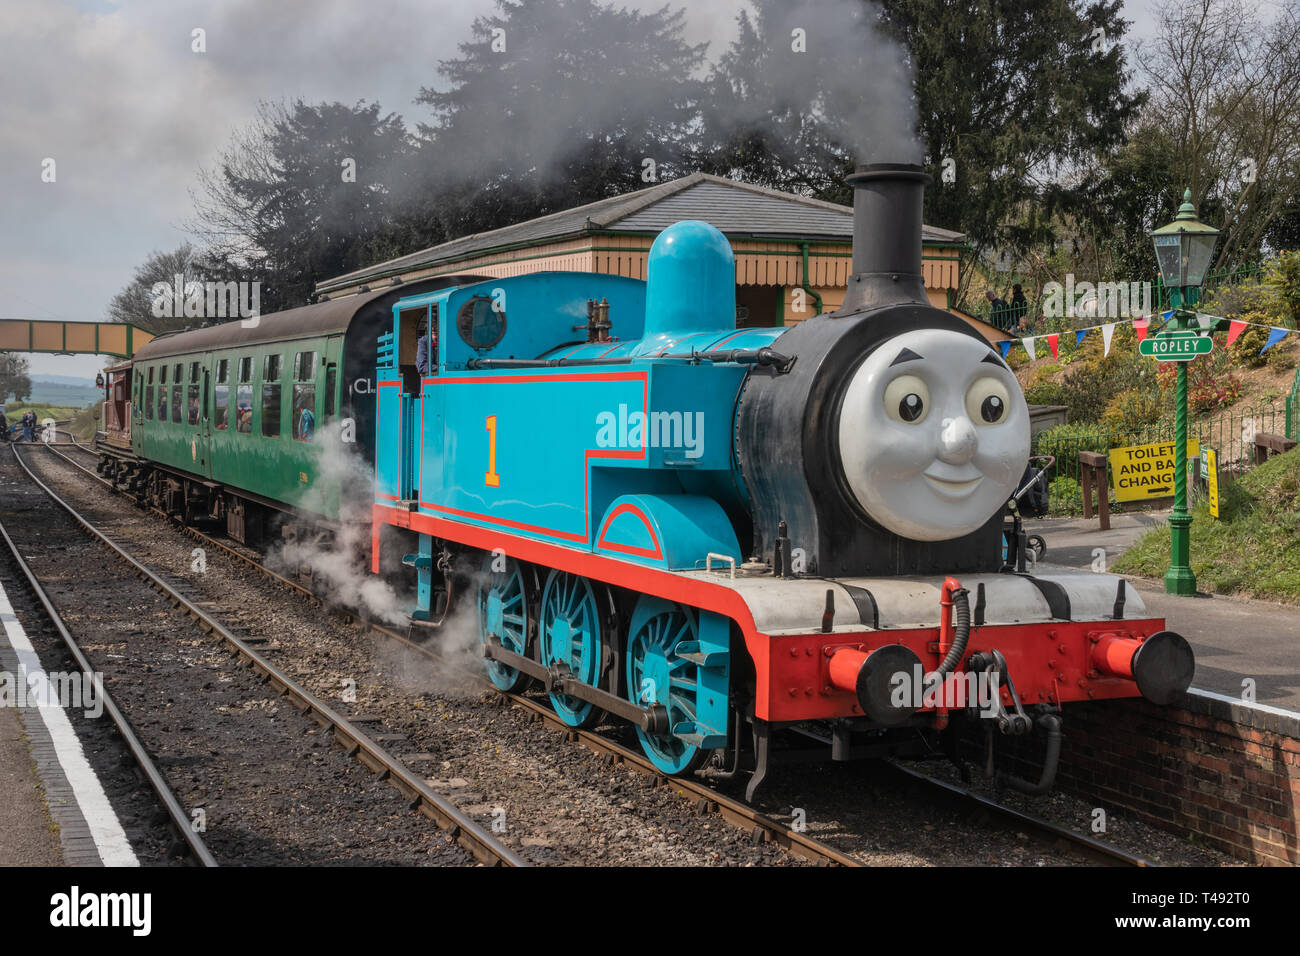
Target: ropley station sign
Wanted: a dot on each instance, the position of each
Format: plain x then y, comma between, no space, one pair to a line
1176,346
1143,472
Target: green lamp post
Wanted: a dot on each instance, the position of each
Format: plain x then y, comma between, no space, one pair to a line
1183,252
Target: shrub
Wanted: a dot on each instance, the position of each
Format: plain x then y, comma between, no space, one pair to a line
1210,384
1282,277
1138,407
1092,382
1065,496
1245,351
1046,393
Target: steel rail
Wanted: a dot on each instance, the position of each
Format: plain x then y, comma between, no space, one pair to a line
467,833
1093,847
176,814
707,798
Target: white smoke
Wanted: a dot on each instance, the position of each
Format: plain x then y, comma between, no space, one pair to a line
831,62
338,565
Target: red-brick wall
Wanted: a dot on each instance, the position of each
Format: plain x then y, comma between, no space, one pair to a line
1225,771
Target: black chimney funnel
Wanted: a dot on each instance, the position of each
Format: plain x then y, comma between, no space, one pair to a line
887,203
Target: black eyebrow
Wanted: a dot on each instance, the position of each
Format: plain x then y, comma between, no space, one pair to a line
907,355
994,360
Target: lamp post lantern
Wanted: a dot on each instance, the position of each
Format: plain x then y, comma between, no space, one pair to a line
1183,251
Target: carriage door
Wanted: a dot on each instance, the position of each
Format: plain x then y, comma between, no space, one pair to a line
412,324
205,425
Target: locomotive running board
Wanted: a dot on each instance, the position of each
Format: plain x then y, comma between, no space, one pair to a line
559,680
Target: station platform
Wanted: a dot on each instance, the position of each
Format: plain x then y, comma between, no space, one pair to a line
53,808
1233,638
28,836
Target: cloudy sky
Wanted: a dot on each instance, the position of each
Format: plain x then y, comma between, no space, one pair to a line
113,93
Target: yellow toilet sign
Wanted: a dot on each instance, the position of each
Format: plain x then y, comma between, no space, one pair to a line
1143,472
1212,480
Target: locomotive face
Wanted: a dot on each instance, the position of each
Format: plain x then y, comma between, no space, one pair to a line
933,434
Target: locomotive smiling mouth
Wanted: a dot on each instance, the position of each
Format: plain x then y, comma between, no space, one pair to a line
949,486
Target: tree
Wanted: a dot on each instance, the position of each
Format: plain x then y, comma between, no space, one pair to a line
772,117
1018,95
556,103
1226,87
14,378
134,305
306,192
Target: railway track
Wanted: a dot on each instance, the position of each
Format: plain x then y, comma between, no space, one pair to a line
706,799
186,839
478,842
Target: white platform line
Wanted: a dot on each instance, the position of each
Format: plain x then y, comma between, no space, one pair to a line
110,839
1238,702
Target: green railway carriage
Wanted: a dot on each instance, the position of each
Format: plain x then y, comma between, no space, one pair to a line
250,419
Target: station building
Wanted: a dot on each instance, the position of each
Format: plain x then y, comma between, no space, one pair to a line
793,254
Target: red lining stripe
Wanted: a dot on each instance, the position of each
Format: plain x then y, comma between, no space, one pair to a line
628,508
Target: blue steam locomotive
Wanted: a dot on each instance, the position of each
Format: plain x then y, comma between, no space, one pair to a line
713,532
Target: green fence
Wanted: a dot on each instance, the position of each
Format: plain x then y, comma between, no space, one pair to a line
1008,319
1292,408
1231,434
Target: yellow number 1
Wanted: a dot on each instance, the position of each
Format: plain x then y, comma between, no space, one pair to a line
492,479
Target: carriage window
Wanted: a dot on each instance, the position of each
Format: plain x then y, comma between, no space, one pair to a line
223,371
194,371
304,367
244,409
162,402
246,368
304,412
148,401
271,371
223,407
163,376
177,371
271,410
176,404
150,374
331,385
193,405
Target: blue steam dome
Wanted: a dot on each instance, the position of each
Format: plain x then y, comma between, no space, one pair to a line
690,284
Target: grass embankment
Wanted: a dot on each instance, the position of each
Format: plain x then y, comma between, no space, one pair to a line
1252,549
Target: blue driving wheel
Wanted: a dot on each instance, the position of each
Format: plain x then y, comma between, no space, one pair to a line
503,612
571,633
656,675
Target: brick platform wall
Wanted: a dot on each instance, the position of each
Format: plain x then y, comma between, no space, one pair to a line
1226,771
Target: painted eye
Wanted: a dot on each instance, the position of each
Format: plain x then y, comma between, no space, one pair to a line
987,402
907,399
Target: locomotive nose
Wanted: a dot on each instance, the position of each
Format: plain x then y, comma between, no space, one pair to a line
957,441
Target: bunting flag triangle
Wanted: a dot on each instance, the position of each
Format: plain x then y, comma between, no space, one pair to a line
1107,331
1051,343
1028,342
1005,347
1206,322
1235,328
1140,327
1078,337
1275,335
